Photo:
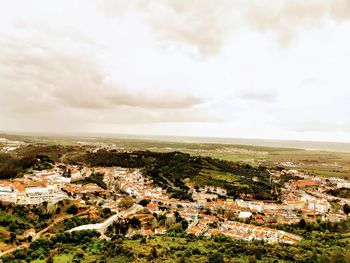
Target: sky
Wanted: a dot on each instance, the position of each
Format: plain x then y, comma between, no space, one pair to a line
272,69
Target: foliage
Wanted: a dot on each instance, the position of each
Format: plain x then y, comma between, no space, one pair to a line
169,170
346,209
94,178
186,248
340,192
32,156
144,202
73,209
75,221
126,203
19,218
216,258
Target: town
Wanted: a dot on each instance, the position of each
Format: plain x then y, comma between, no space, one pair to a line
129,194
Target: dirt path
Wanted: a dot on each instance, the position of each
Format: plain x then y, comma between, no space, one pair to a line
13,249
43,231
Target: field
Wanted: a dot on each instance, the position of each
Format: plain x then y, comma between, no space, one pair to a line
215,178
319,162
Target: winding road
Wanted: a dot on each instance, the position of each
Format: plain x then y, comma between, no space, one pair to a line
102,227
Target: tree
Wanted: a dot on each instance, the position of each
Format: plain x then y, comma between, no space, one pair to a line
154,253
40,243
126,203
73,209
13,237
216,258
135,222
182,259
302,223
144,202
184,224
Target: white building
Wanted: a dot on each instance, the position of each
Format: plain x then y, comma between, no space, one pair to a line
244,215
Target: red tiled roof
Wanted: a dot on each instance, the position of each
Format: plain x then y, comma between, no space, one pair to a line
148,232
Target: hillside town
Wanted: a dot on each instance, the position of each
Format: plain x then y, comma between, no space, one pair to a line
210,213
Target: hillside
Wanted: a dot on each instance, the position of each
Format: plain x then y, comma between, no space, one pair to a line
169,170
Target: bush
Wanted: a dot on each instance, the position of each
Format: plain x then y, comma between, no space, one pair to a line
144,202
126,203
73,209
216,258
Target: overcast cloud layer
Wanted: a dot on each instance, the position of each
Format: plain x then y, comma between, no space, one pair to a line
232,68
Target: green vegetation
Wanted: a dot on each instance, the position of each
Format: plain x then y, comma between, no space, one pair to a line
309,230
94,178
83,246
24,159
73,209
65,149
17,219
75,221
126,203
169,170
11,166
47,248
340,192
144,202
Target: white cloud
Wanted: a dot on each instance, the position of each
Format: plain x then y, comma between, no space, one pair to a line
273,69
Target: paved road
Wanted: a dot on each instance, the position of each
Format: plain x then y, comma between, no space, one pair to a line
102,227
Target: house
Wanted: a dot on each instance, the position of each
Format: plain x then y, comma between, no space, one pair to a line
304,183
114,205
343,184
24,191
213,232
320,206
160,231
153,208
244,215
195,230
247,237
148,232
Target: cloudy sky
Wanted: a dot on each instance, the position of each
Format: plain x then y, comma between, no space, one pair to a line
225,68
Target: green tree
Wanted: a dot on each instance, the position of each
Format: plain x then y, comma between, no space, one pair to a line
216,258
144,202
13,237
126,203
73,209
302,223
154,253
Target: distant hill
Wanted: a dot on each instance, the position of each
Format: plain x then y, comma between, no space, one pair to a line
298,144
